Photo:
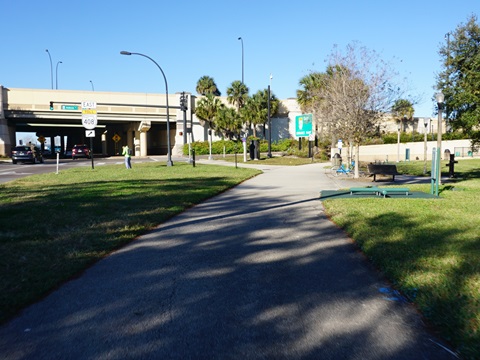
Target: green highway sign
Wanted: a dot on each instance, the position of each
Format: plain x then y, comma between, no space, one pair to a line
303,125
69,107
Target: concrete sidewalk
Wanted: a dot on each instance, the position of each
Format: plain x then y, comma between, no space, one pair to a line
257,272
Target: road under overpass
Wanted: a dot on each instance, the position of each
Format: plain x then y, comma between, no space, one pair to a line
135,119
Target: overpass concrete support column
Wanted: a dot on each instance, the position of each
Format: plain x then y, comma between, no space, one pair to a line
143,143
104,143
5,135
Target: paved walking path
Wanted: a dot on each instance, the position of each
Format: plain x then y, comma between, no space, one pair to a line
257,272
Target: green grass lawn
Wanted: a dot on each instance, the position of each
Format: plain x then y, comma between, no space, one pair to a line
428,248
264,160
54,226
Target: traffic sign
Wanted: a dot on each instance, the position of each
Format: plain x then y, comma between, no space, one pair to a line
90,133
89,121
89,114
69,107
89,105
116,138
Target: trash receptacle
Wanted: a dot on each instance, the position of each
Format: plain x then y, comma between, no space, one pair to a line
337,160
252,150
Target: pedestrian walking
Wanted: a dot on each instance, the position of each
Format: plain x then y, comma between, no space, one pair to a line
127,152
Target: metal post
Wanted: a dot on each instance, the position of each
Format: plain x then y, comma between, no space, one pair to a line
425,148
184,109
51,66
433,172
438,171
398,144
269,126
440,99
56,74
169,150
240,38
91,151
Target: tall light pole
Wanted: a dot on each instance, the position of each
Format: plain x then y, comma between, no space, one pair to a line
91,83
240,38
425,123
56,74
440,104
51,66
269,121
169,151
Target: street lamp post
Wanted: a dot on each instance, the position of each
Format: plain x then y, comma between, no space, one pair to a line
56,74
169,151
51,66
240,38
91,83
269,121
440,103
425,123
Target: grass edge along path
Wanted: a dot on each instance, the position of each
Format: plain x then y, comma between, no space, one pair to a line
429,249
55,226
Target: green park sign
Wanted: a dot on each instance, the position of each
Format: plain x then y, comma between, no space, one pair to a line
303,125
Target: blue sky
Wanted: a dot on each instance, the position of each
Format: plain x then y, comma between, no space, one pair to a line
189,39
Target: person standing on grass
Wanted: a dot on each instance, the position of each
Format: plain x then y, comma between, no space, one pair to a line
127,152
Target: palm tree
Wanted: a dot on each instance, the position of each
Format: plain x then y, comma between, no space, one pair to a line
308,96
228,122
403,110
206,85
206,110
237,94
261,98
254,112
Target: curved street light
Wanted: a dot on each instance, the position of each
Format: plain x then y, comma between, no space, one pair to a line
56,74
240,38
169,152
91,82
51,66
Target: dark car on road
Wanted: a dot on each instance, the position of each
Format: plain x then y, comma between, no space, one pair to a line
26,153
80,151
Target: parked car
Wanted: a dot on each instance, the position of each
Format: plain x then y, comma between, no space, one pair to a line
80,151
47,153
26,153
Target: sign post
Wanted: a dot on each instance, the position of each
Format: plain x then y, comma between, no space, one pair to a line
89,122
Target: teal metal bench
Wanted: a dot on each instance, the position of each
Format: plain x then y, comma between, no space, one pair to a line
389,191
364,190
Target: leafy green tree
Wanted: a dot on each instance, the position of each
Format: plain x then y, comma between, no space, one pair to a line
460,78
206,110
228,122
402,111
310,100
249,114
206,85
237,94
308,95
255,110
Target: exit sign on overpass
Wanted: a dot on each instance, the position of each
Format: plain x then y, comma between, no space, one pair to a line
69,107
